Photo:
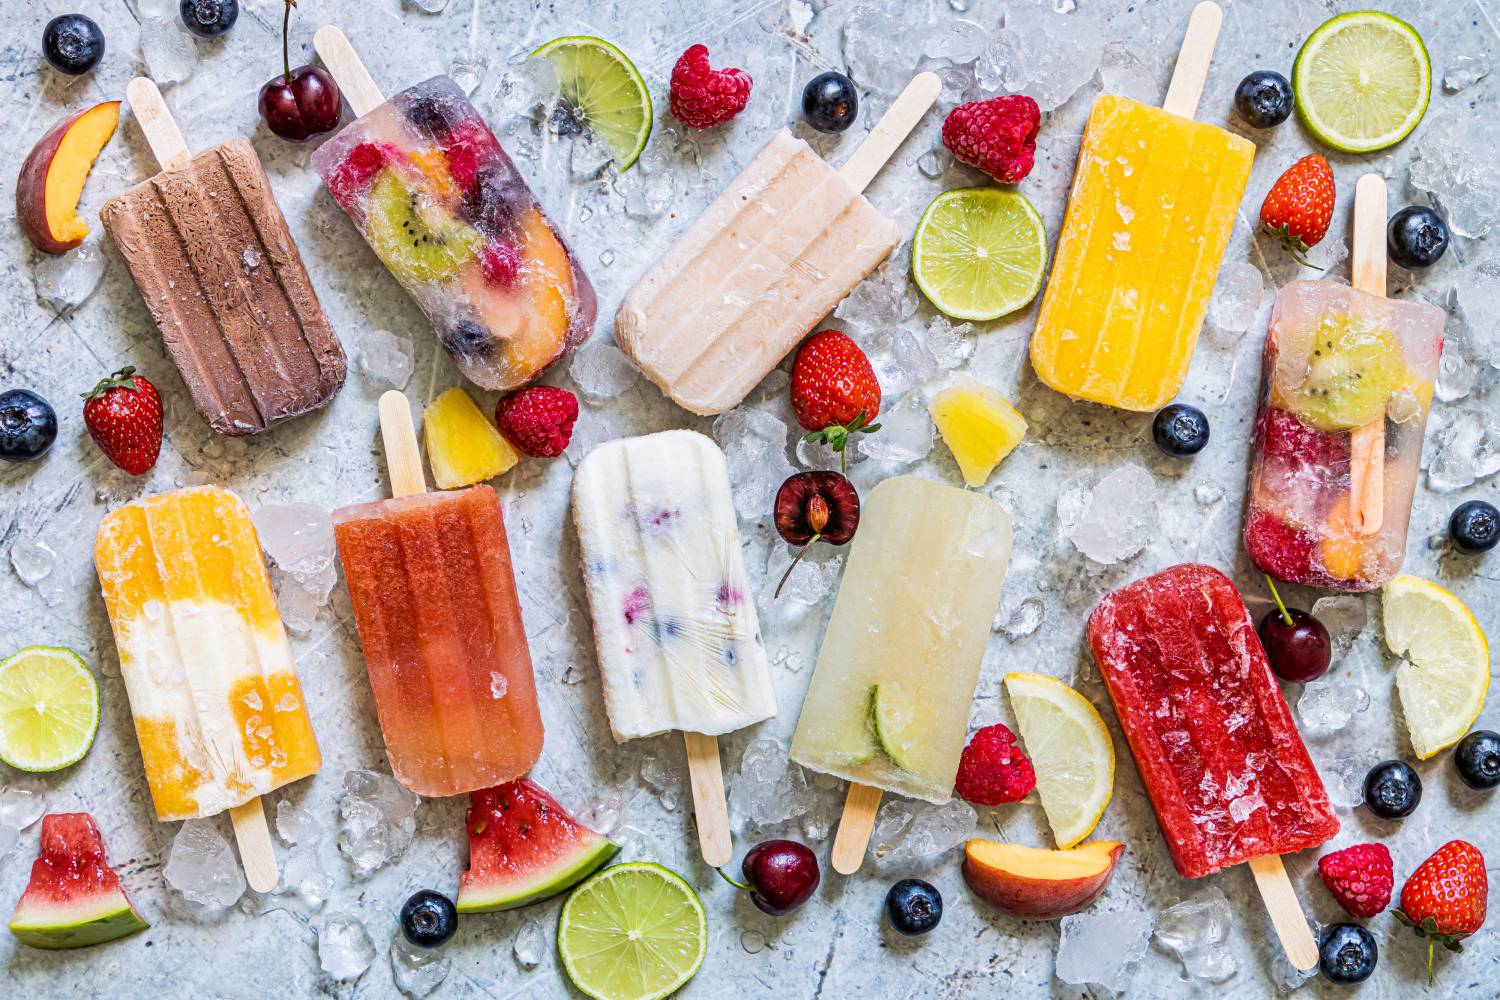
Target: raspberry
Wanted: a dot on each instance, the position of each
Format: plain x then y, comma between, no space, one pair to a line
500,263
1280,549
538,420
467,147
998,135
701,96
1360,878
993,769
1284,436
359,168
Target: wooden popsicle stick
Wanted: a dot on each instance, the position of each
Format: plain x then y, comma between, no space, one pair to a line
710,809
162,134
1193,60
356,83
403,460
254,838
855,825
1367,443
892,129
1286,911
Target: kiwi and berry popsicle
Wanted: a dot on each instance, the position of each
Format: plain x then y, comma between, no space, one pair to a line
444,208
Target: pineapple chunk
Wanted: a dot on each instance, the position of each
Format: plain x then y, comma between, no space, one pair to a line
463,447
978,425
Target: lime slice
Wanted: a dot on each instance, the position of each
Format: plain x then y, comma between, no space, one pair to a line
632,932
893,723
1070,749
1362,81
49,709
979,253
603,88
1446,673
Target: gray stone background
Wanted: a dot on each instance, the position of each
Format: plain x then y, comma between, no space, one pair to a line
837,946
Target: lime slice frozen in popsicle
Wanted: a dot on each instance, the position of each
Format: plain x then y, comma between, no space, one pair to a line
893,723
979,253
1362,81
602,86
633,931
49,709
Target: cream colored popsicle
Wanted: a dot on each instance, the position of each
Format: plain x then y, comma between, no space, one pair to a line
767,260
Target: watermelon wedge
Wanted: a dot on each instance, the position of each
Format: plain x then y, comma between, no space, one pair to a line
74,898
524,847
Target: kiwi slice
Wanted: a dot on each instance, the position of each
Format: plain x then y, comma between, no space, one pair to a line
1353,368
416,238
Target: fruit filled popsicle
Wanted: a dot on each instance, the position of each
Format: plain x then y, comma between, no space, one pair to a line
888,707
214,262
1347,385
675,625
435,603
1221,759
1152,205
213,689
767,260
426,183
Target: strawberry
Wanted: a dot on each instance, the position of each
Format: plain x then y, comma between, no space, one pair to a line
1444,900
538,420
834,391
993,769
1360,878
123,415
1300,205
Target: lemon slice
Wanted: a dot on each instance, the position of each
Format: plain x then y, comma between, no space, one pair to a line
602,86
632,932
979,253
49,709
1362,81
1446,670
1070,748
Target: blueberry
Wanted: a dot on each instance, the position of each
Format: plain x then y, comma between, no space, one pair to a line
1263,99
1478,759
1475,526
1416,237
468,339
433,116
73,44
914,906
1392,790
428,918
207,18
829,102
28,425
1180,430
1347,954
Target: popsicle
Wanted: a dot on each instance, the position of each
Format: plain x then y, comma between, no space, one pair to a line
1221,759
435,603
674,617
213,689
440,203
888,707
767,260
1348,378
1153,202
212,258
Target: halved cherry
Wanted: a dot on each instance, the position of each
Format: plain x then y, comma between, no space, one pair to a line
812,507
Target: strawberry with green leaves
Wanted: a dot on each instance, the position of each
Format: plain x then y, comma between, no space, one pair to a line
123,415
1300,206
1444,900
834,390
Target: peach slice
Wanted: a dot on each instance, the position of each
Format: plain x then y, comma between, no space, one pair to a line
1034,883
52,178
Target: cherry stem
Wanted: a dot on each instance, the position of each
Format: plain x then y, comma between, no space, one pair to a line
802,552
738,885
286,51
1286,615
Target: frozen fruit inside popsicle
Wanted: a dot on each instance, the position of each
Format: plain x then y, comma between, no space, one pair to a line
1278,548
893,723
1353,368
463,447
358,170
413,235
1342,547
433,163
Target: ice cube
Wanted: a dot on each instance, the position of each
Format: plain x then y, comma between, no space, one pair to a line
754,444
168,50
1113,519
905,433
468,70
417,971
1466,187
1476,301
1344,616
1196,931
955,40
9,838
22,803
1344,780
817,453
1328,254
296,825
520,89
1466,450
378,819
1465,71
298,537
1328,706
202,867
601,371
1017,621
384,359
878,50
427,6
32,560
1126,74
345,950
589,155
950,345
660,776
1051,73
1236,297
156,8
530,944
65,281
935,830
933,162
1102,949
303,877
891,826
603,814
902,360
810,583
768,788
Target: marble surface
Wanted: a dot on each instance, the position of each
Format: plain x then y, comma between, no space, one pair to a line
837,946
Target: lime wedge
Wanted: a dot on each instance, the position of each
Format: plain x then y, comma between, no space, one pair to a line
632,932
603,88
893,724
979,253
1362,81
49,709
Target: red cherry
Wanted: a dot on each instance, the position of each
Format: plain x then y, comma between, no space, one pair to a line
782,875
301,104
812,507
1300,650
